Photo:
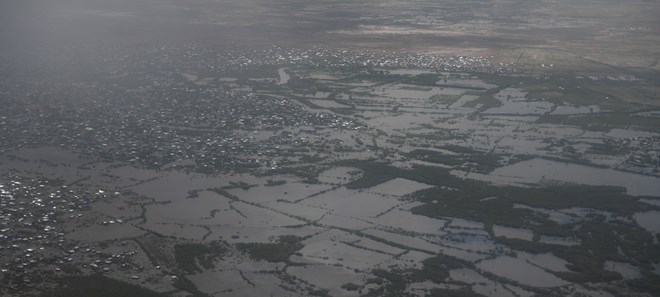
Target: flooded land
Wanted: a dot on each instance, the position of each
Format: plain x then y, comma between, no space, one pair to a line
352,167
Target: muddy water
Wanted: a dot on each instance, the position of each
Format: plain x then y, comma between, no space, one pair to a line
284,77
536,170
521,271
509,232
649,220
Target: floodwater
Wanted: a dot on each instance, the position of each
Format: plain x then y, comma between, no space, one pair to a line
514,102
410,222
403,91
331,253
466,82
566,109
558,240
284,77
627,271
546,261
557,216
352,203
328,277
510,232
327,103
409,72
626,133
521,271
649,220
462,101
97,232
338,175
655,202
537,170
398,187
481,284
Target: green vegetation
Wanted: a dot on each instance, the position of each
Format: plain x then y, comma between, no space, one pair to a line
608,147
184,284
436,269
320,293
425,79
262,71
394,283
437,135
485,101
562,92
618,96
650,282
453,293
429,79
604,122
224,193
337,74
350,287
98,286
272,183
273,252
311,159
415,88
306,85
309,173
190,256
474,161
444,99
377,172
238,185
600,239
374,174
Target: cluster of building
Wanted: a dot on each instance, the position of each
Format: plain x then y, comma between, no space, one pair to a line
32,238
645,153
156,125
330,58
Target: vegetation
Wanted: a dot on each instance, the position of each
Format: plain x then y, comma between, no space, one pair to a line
444,99
308,172
272,183
238,185
436,269
394,283
350,287
650,282
474,161
184,284
98,286
374,174
190,256
320,293
603,122
484,101
601,240
273,252
224,193
415,88
453,293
